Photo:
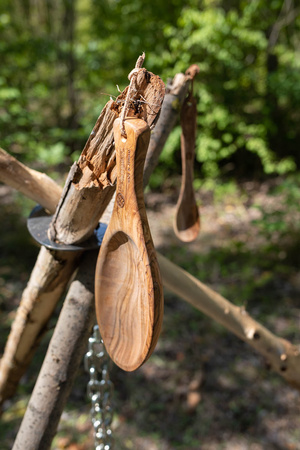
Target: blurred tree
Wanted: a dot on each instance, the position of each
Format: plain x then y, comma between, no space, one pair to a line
37,79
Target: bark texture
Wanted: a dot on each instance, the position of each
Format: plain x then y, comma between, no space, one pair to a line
175,94
64,355
46,285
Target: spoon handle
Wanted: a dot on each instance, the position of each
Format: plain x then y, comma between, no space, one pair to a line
187,221
130,159
128,287
188,138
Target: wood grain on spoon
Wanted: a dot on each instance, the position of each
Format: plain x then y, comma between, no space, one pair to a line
128,288
187,220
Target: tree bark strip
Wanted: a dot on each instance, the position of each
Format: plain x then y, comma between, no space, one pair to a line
283,357
10,367
64,355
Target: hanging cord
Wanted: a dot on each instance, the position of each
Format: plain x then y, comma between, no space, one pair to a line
132,77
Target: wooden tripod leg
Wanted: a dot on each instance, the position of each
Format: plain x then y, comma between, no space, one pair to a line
62,361
283,357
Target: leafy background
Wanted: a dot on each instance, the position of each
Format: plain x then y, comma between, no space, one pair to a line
60,59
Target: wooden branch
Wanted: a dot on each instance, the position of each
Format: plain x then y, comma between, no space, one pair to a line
287,15
64,355
35,185
20,341
176,93
47,283
283,357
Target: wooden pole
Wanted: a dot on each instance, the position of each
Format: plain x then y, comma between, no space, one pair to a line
35,185
283,357
64,355
92,184
176,93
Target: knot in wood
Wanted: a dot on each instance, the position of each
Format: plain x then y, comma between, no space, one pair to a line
135,72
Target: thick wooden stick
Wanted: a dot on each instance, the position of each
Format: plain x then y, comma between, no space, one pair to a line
35,185
64,355
283,357
176,93
23,339
47,283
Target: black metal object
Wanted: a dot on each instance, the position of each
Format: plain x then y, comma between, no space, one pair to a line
38,223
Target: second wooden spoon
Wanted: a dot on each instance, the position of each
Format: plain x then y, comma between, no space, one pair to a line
187,220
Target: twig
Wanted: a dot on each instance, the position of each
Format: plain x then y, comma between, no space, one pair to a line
132,77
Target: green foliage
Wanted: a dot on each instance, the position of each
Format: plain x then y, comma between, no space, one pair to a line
60,62
245,105
276,223
38,98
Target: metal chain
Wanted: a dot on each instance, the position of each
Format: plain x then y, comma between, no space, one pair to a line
99,390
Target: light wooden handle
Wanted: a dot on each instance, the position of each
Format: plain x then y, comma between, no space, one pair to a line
128,287
187,221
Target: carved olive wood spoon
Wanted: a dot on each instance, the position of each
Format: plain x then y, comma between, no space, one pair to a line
187,220
128,287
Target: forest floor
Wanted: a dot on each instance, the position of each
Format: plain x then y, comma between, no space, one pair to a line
202,388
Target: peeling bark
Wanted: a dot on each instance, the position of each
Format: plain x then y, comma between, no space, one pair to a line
176,93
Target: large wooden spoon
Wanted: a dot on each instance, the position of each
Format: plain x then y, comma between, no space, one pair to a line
128,287
187,220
